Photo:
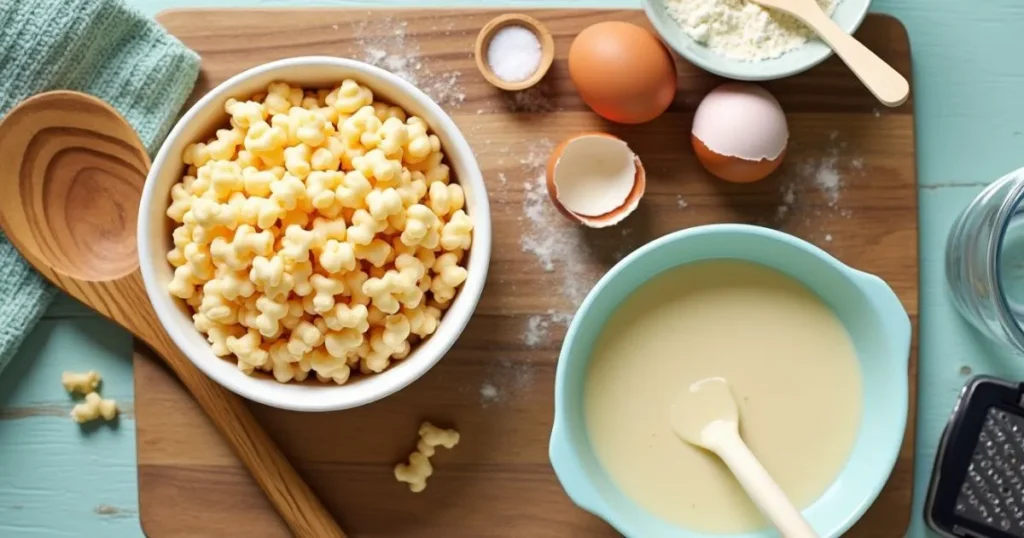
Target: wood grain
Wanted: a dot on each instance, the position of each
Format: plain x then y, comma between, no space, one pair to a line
498,481
77,170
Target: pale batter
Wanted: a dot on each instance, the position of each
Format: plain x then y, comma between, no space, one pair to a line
787,357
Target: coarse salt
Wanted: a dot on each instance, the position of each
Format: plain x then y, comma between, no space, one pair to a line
514,53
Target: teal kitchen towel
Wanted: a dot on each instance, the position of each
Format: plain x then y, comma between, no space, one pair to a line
100,47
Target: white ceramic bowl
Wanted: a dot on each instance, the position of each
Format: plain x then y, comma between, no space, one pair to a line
848,15
155,229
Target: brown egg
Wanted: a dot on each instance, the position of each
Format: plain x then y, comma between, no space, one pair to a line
740,133
734,169
622,71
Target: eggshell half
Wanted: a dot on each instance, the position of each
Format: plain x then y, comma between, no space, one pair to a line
742,120
595,179
734,169
594,175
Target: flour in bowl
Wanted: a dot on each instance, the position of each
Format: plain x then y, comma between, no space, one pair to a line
742,30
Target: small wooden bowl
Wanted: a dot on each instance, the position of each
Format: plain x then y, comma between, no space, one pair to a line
483,42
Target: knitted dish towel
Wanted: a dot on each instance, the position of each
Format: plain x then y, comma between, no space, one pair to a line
100,47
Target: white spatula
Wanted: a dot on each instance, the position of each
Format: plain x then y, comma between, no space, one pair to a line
880,78
705,415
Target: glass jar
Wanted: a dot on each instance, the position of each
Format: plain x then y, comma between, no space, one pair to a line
985,261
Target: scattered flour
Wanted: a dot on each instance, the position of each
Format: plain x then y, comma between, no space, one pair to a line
556,243
822,174
826,177
537,238
680,203
505,379
536,330
740,29
385,44
788,190
488,393
562,318
538,326
789,194
502,178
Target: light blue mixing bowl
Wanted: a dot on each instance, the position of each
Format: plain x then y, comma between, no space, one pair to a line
849,14
867,307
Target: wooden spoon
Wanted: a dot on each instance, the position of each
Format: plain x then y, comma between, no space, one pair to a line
880,78
72,176
705,415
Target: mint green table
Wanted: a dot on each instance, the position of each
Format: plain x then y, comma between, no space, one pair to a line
56,480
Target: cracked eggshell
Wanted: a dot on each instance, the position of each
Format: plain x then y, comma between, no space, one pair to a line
595,179
740,133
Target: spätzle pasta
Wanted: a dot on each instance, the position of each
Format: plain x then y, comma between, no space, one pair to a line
418,470
318,233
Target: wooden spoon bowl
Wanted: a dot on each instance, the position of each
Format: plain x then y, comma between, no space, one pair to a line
77,189
75,170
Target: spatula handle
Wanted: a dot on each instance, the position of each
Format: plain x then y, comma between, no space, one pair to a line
759,485
887,84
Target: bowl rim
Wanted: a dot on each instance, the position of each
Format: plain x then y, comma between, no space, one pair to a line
328,397
579,484
738,70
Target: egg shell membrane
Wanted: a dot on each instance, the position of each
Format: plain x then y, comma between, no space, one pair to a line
734,169
610,218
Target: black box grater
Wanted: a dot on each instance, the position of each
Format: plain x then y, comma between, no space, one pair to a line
977,486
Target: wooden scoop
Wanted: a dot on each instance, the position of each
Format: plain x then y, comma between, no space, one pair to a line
72,173
887,85
704,414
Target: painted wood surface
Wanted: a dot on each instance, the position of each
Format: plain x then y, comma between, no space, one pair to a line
58,481
870,223
75,171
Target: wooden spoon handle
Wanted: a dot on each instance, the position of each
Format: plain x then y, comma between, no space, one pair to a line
72,173
759,485
887,84
298,506
125,302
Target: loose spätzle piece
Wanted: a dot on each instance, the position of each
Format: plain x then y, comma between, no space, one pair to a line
419,469
94,407
81,383
431,437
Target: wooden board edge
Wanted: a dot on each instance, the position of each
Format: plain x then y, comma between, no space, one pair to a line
140,476
911,431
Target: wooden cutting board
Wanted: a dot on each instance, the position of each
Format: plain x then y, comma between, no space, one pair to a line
848,185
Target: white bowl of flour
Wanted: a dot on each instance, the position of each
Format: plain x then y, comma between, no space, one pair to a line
740,40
